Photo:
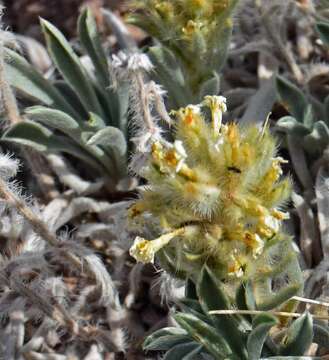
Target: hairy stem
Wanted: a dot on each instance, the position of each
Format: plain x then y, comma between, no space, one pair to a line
37,224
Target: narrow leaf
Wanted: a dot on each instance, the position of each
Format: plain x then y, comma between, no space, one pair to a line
193,307
55,119
195,354
181,351
32,85
204,334
299,336
119,30
73,99
210,86
323,30
293,99
170,74
165,339
95,122
212,297
318,139
241,297
111,138
32,134
256,339
260,104
290,125
299,162
190,290
91,42
322,199
70,67
321,335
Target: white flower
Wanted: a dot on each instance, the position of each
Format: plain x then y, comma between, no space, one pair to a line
133,61
272,223
146,138
236,267
144,250
219,142
217,105
239,273
255,242
119,60
258,247
138,62
181,154
221,101
277,164
195,109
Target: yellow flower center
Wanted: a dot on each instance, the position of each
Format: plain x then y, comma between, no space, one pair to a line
236,267
171,158
191,27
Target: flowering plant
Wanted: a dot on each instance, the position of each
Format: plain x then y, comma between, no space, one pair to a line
215,197
194,38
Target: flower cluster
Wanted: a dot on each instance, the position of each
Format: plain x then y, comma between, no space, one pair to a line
185,17
197,32
215,194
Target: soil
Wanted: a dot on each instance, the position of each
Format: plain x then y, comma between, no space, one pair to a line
22,16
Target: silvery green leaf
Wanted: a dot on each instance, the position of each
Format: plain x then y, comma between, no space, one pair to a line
119,100
166,338
299,336
183,351
318,139
205,335
170,75
308,119
29,82
322,199
256,339
90,40
72,98
250,300
260,104
69,177
213,297
292,98
55,119
210,86
110,138
70,67
119,30
32,134
36,53
299,162
321,335
193,307
284,264
95,122
290,125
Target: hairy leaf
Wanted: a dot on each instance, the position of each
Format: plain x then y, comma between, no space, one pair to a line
256,339
299,336
90,40
70,67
